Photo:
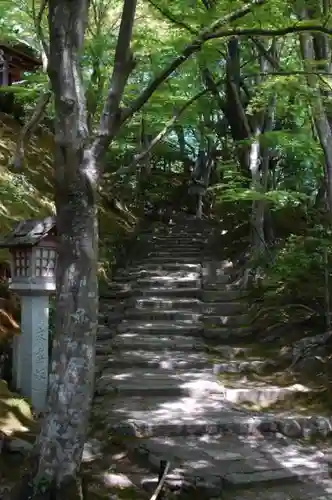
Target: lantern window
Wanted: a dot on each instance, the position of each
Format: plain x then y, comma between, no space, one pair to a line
45,262
22,263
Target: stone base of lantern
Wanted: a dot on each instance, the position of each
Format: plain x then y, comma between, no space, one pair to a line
30,356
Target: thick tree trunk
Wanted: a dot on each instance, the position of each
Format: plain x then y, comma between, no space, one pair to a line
59,449
64,429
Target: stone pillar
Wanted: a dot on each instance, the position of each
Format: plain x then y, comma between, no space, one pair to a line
16,366
31,350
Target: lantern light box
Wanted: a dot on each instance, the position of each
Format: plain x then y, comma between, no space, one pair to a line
32,246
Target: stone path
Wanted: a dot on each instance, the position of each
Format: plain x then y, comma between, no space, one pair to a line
157,387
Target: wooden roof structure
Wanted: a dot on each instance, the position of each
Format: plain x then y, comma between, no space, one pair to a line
19,56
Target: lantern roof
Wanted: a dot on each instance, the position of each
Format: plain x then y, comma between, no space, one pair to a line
28,232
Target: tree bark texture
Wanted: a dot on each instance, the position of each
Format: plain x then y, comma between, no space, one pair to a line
60,444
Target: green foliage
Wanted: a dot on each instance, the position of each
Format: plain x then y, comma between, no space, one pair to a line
297,259
162,30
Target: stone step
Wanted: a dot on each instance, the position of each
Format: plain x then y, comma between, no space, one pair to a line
162,314
223,308
168,292
175,252
229,334
130,282
162,381
170,259
231,353
166,360
223,295
318,489
217,266
157,382
161,303
178,231
239,366
238,320
160,291
146,416
170,282
215,464
157,273
176,242
121,287
173,238
218,283
163,266
178,245
168,233
263,395
159,327
155,342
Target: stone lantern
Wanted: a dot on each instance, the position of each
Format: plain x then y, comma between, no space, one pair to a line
32,246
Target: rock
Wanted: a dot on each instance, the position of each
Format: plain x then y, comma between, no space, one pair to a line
321,426
267,427
92,450
268,366
290,428
310,347
311,365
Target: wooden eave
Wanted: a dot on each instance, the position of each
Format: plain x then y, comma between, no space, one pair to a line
18,59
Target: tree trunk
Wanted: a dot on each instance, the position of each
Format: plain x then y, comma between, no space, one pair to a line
257,217
58,451
64,429
311,52
234,108
260,163
60,445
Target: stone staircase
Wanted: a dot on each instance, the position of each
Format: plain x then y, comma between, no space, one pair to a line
162,394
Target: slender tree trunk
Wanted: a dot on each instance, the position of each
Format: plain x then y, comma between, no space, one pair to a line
257,216
259,165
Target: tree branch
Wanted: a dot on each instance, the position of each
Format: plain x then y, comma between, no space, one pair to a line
37,20
289,73
140,156
190,49
123,65
249,32
29,127
265,53
172,19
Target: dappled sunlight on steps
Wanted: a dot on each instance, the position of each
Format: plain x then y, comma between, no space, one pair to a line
162,395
